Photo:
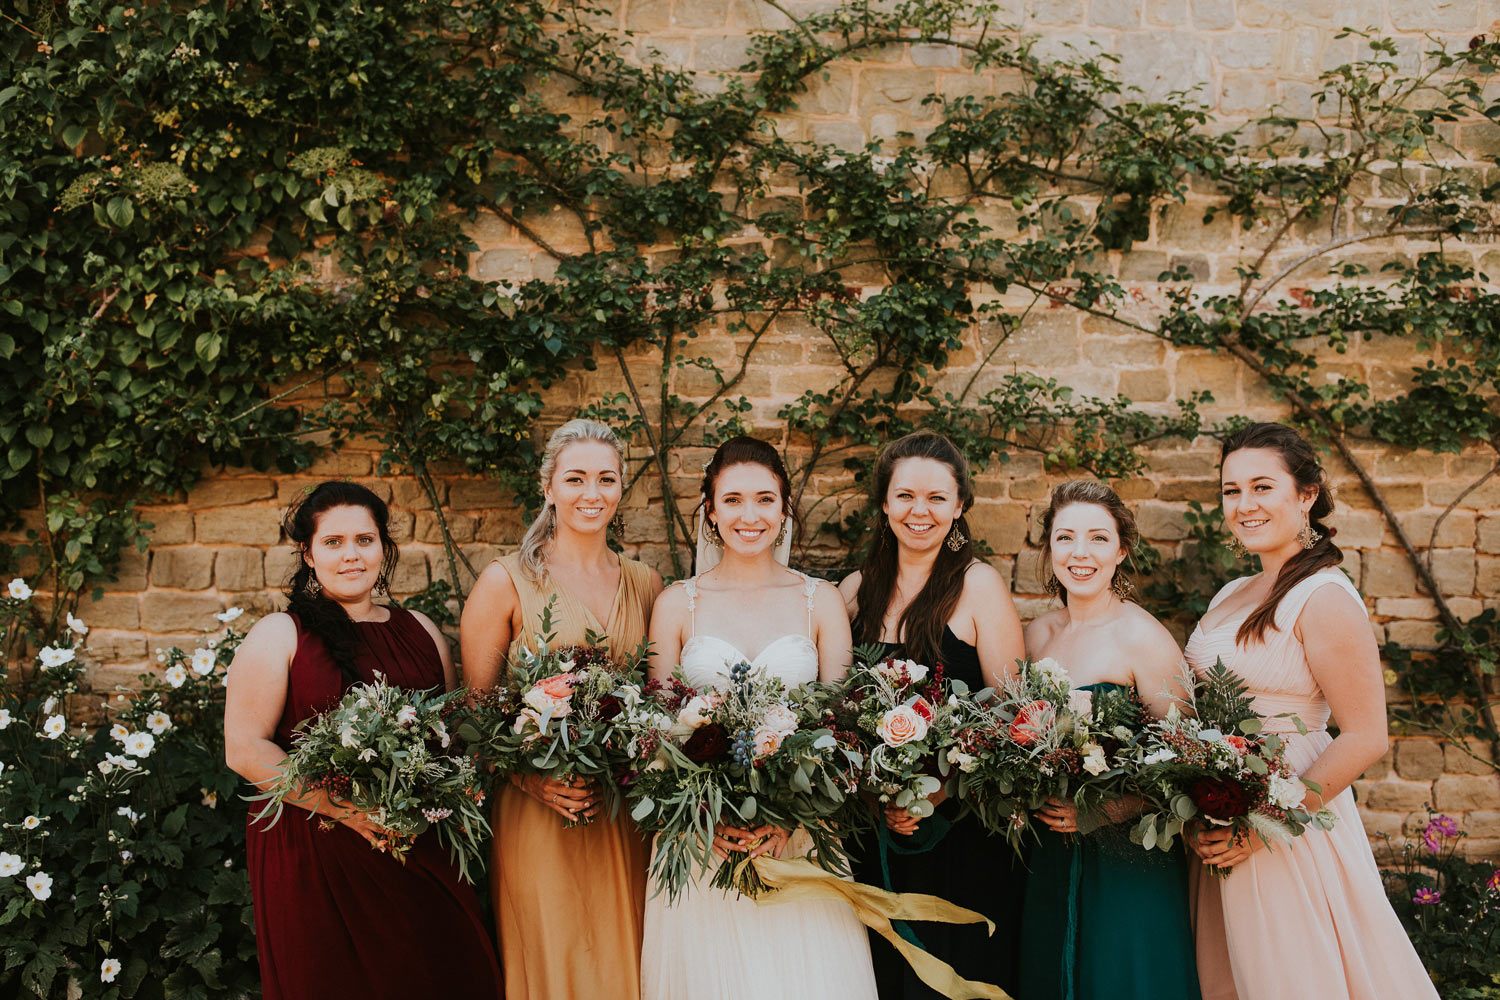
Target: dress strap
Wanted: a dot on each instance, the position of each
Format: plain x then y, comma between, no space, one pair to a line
690,585
810,591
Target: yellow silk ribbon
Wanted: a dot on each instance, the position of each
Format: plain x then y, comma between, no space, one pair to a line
799,878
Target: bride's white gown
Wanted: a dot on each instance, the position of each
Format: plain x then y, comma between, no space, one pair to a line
711,944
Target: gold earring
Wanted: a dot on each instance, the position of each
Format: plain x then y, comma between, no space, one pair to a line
1052,587
1307,535
1236,546
956,540
618,524
781,535
714,538
1121,586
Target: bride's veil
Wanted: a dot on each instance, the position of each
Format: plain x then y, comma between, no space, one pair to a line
707,555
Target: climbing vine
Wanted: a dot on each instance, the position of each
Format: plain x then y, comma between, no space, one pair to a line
213,211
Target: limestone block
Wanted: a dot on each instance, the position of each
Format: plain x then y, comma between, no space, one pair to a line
828,93
1489,534
130,574
1420,635
1116,13
472,494
1031,572
240,526
110,611
1160,521
280,562
1393,795
400,525
1388,573
1473,757
1419,759
1213,14
513,266
229,492
1406,607
411,573
1149,385
1434,15
340,464
1454,570
183,567
1044,341
722,53
1358,529
460,526
164,611
1248,50
168,527
1002,525
1464,792
1218,375
239,569
1382,767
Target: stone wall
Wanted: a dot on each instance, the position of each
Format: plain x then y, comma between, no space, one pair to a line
220,544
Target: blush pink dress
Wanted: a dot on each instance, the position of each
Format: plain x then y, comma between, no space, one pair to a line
1309,918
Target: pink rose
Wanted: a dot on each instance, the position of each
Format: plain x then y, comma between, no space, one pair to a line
901,725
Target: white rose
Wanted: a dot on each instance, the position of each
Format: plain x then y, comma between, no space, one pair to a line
1081,702
40,885
55,726
1287,793
18,590
406,715
229,615
10,864
690,716
1052,671
546,705
158,722
203,661
176,676
1094,761
901,725
140,744
780,719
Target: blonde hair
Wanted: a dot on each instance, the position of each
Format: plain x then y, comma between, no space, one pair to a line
538,537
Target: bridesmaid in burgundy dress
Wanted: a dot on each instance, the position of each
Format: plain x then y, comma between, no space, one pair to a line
333,916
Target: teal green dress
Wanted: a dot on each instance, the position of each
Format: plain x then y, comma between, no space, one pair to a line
1106,919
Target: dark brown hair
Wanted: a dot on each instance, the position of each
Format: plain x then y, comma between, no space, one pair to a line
317,612
1089,491
1302,462
921,625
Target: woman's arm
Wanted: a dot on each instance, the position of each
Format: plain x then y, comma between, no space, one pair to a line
669,616
831,633
253,705
997,627
486,629
444,650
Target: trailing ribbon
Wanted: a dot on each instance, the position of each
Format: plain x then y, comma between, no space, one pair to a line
799,879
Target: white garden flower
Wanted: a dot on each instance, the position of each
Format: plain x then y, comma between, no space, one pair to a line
31,822
54,727
18,590
1094,760
76,625
140,744
125,857
158,722
1287,793
10,864
210,798
176,676
120,761
108,970
406,715
1160,756
4,718
2,767
348,737
203,661
128,813
690,716
1081,702
51,657
50,705
229,614
965,762
367,754
40,885
1053,672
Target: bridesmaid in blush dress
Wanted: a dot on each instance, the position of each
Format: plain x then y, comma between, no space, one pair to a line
568,902
1309,916
923,594
333,916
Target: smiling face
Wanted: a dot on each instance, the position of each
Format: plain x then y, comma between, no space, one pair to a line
921,503
585,488
345,553
747,508
1262,503
1085,548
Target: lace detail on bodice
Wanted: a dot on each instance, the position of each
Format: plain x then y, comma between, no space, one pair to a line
706,659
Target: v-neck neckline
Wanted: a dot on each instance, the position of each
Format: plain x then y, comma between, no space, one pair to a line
614,605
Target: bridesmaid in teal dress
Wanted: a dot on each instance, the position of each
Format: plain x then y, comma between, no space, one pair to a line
1105,919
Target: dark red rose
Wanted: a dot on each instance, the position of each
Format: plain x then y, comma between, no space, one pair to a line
924,708
1219,799
709,742
609,707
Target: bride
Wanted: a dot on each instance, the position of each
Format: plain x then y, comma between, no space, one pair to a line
744,604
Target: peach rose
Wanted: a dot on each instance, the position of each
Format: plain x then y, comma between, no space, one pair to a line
901,725
551,696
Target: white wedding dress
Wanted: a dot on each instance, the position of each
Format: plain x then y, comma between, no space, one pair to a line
712,945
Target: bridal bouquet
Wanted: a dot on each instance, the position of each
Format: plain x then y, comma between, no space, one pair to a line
1040,738
558,714
394,755
748,755
1220,768
905,715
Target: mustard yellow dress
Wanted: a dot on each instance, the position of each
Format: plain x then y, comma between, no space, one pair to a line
569,904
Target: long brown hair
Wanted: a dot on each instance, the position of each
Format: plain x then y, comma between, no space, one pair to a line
1089,491
1302,462
921,625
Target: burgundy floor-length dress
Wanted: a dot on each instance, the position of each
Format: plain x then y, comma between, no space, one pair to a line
333,916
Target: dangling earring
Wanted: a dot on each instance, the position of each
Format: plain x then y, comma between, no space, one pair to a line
1236,546
618,524
714,538
550,513
1307,535
781,535
956,540
1052,587
1121,586
382,586
313,586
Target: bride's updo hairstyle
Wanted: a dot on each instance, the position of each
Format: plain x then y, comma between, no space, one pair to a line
923,621
317,612
1301,461
1090,491
743,450
538,537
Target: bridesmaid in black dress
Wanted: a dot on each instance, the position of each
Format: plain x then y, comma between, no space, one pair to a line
922,593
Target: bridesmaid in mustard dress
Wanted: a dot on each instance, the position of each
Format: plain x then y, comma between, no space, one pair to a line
1307,918
569,903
